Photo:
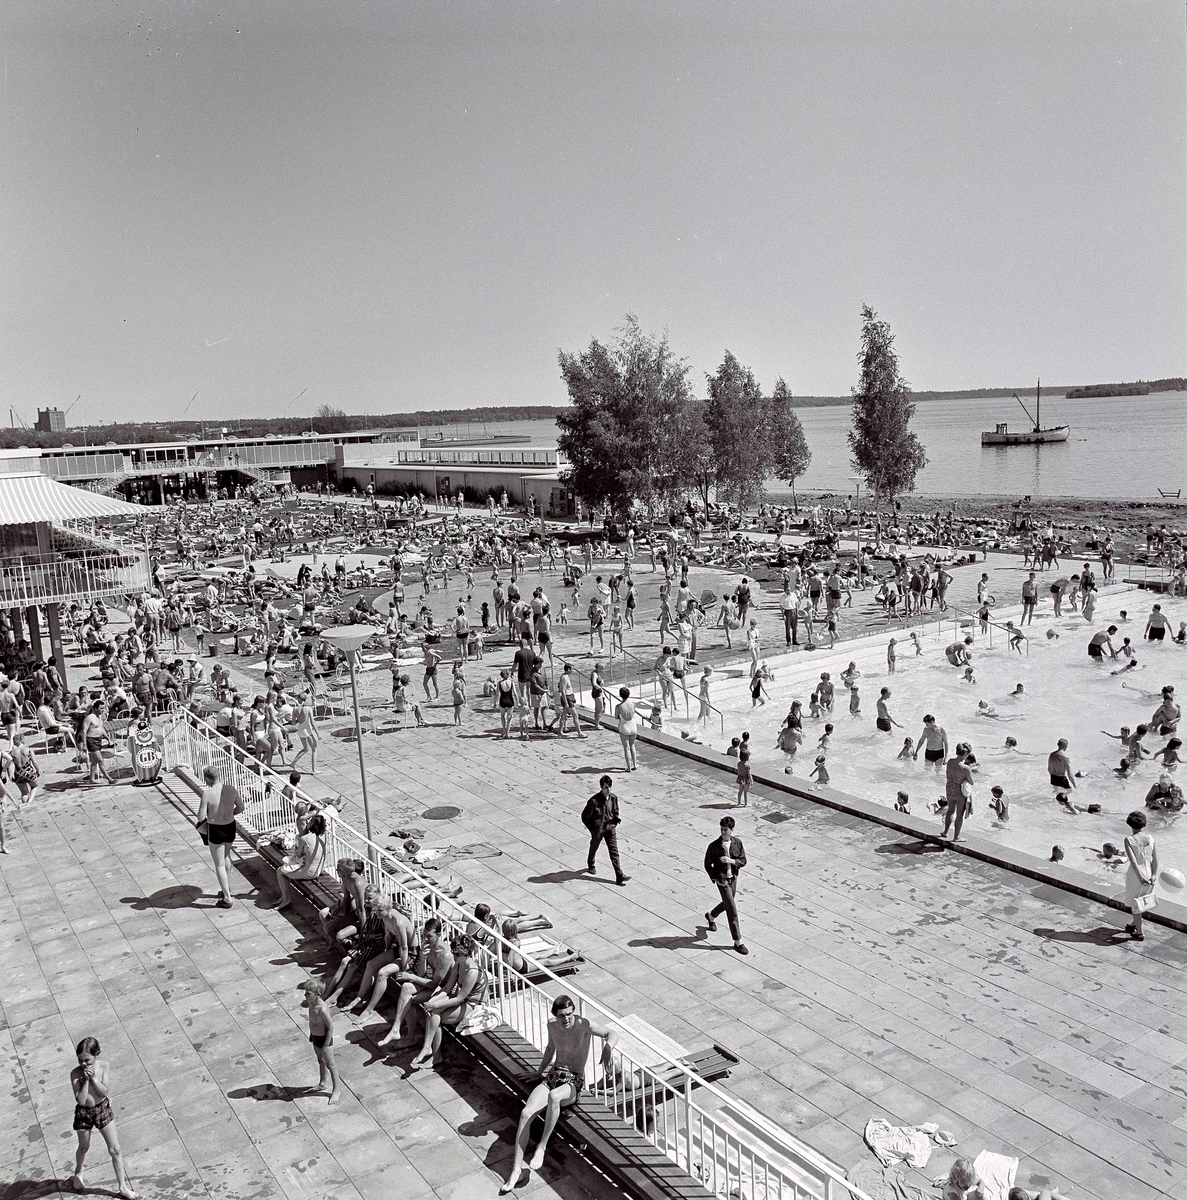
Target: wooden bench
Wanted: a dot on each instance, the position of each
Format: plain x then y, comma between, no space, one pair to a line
610,1143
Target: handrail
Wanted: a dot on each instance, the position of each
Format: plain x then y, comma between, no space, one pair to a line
972,616
669,1116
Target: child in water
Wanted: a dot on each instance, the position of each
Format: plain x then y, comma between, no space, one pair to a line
902,802
907,752
890,656
918,644
820,771
999,802
814,706
854,701
825,737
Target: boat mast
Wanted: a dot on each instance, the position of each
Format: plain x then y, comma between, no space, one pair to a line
1038,410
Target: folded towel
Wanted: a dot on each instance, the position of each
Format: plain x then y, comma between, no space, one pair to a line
998,1172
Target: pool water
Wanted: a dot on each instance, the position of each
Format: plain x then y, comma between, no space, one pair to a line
1065,695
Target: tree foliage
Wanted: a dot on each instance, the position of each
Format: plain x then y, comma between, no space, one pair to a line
626,433
739,419
792,455
885,451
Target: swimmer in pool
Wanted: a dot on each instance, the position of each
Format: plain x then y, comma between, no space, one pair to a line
935,738
825,738
902,802
1169,754
884,721
854,701
999,802
850,675
1018,692
1059,768
918,644
1132,665
968,676
908,749
985,709
820,771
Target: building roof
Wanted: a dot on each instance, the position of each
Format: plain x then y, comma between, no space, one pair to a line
29,496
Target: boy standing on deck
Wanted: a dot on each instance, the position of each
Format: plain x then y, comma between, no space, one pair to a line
321,1036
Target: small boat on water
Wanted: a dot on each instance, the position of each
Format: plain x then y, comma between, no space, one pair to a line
1036,436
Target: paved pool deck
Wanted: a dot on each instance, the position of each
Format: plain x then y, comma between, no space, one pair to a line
885,978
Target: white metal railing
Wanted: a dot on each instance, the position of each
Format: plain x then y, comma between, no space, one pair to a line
726,1145
37,579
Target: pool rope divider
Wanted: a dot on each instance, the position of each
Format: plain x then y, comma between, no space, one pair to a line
720,1155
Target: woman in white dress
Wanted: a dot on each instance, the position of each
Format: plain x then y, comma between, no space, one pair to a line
628,729
1143,871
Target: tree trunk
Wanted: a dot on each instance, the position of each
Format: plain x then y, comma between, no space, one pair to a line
795,504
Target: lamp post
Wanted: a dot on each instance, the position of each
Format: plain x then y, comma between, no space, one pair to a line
350,640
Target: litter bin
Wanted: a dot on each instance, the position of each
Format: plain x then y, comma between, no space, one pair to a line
213,648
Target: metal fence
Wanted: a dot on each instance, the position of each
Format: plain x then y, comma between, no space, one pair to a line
717,1139
58,579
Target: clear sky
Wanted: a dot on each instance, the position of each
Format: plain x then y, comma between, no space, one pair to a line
401,206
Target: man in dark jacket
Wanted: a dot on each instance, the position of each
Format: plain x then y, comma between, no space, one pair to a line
724,858
600,817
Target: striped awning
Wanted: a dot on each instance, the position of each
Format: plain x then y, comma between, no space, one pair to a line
30,496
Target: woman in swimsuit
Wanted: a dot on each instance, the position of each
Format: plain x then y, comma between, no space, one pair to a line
307,732
506,693
307,860
464,987
91,1081
624,712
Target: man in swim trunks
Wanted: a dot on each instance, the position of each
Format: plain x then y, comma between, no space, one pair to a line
416,986
1166,715
219,803
1030,597
1059,768
935,737
1100,643
1156,625
958,790
562,1076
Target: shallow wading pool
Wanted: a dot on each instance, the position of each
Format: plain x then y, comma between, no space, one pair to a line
1065,695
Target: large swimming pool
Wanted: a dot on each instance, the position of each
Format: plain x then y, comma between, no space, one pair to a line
1065,694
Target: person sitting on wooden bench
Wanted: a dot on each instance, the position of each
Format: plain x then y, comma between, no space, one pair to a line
562,1076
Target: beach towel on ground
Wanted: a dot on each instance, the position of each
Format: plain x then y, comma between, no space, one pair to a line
897,1143
997,1172
882,1183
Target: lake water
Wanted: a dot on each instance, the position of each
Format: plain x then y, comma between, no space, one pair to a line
1124,447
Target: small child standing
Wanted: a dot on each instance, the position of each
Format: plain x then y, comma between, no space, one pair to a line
854,701
91,1082
825,737
890,656
820,771
745,777
832,627
459,698
907,752
564,614
999,802
918,644
321,1036
814,706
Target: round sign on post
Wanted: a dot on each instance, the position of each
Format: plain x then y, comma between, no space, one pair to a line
350,639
